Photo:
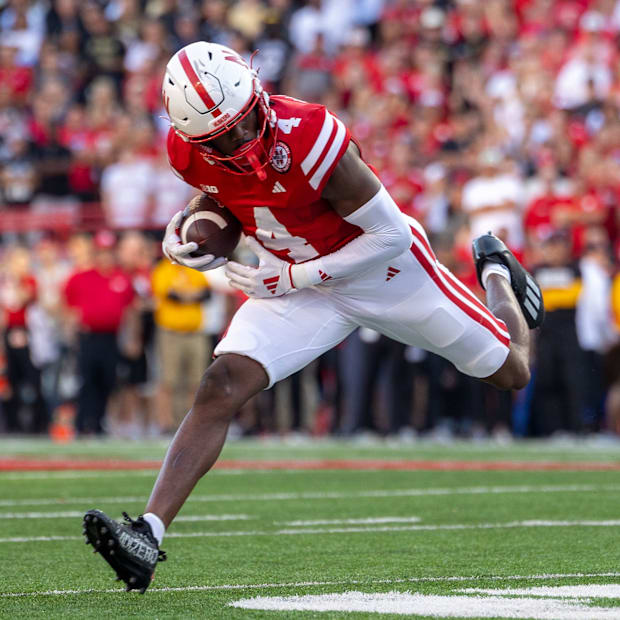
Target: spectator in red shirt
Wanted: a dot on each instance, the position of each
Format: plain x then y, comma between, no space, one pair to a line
76,135
402,180
13,77
312,71
100,300
552,213
135,256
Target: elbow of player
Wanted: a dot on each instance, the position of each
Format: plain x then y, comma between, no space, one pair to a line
403,240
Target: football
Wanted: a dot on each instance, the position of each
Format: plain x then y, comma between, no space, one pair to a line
211,225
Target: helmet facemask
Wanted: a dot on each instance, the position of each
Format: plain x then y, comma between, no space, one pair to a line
253,156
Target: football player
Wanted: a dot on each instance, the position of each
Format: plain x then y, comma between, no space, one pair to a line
335,253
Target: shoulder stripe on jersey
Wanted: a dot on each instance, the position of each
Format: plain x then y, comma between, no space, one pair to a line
332,153
313,156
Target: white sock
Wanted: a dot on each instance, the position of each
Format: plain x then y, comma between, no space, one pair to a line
157,526
489,268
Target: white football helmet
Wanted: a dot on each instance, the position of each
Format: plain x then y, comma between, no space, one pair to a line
208,88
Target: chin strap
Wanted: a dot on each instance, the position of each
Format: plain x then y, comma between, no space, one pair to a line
256,166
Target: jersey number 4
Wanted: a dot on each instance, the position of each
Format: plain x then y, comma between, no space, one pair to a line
274,236
285,125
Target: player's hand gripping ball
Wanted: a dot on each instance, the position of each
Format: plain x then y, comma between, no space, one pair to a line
271,278
202,236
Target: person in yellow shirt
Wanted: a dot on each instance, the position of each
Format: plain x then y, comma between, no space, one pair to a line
559,384
612,365
615,300
183,349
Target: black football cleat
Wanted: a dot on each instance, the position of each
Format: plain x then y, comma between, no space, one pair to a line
490,248
129,548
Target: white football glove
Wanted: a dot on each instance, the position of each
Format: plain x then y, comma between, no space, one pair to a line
271,278
178,252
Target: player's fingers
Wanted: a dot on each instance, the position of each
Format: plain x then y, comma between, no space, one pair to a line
181,250
239,269
239,287
214,264
240,281
239,278
198,262
174,222
170,240
177,217
218,262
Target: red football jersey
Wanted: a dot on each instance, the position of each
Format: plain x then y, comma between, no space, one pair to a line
285,212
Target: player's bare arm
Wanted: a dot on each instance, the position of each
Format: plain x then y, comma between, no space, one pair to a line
352,183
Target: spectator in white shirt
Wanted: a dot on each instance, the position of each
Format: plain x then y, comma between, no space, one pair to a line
492,200
126,190
331,18
169,192
594,320
583,75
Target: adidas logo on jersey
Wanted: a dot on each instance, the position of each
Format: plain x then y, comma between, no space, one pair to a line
271,284
391,272
324,276
278,188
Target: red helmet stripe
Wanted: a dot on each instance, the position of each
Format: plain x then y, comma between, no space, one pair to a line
198,85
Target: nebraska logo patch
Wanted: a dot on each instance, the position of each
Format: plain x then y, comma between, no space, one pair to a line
281,158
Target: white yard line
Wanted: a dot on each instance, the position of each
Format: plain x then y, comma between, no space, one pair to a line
434,605
351,530
42,515
307,584
78,514
28,539
272,497
450,526
576,591
365,521
191,518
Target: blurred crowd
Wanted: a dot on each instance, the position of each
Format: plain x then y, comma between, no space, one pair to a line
498,115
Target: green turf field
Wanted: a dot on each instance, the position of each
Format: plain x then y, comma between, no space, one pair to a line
429,539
